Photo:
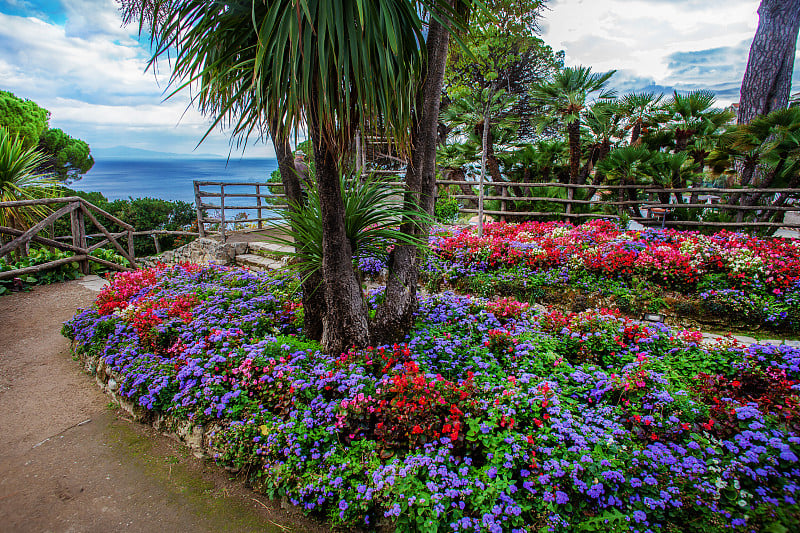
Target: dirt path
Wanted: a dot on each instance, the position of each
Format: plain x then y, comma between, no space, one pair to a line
69,462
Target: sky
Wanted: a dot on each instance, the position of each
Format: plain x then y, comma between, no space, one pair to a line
73,58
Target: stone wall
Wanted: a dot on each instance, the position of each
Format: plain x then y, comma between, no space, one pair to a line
195,436
203,251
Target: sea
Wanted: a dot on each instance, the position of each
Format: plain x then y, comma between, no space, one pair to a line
171,179
168,179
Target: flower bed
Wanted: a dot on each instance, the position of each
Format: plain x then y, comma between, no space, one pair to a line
728,278
489,418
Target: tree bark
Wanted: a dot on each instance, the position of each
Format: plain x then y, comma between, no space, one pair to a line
345,320
574,136
635,133
312,284
768,77
395,316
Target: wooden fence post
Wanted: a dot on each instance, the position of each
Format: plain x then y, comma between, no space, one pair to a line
79,237
222,210
201,225
258,203
503,202
131,248
570,197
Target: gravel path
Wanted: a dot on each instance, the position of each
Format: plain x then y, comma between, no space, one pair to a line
69,462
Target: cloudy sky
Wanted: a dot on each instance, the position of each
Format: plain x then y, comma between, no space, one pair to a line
74,58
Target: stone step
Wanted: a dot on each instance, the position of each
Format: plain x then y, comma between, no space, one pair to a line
257,262
268,249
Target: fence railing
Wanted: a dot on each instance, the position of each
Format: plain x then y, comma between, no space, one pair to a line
78,210
647,205
654,205
264,199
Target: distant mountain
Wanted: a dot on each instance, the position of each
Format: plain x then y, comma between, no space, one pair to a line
128,153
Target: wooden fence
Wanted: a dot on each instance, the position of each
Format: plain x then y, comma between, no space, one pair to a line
78,210
267,196
649,208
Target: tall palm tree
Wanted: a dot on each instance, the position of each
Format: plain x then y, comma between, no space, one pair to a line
603,121
565,97
334,67
467,115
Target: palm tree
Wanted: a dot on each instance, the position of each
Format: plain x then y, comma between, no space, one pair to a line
693,116
565,97
769,143
639,110
334,67
479,118
468,114
19,180
628,165
603,121
671,171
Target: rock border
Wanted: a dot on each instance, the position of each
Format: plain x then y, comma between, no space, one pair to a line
194,436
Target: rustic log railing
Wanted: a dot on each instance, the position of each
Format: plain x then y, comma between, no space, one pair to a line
78,210
649,209
656,210
267,196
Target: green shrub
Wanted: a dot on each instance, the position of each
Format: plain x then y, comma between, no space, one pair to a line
65,272
447,207
144,214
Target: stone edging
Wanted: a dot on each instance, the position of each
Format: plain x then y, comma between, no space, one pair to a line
194,436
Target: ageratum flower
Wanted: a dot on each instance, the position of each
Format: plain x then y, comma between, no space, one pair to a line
492,416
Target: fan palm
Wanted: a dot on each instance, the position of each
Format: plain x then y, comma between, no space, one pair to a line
692,116
564,97
769,144
628,165
468,114
19,180
639,110
603,120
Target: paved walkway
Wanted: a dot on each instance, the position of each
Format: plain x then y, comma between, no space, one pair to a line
69,462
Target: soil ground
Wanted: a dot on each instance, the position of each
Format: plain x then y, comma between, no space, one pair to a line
69,462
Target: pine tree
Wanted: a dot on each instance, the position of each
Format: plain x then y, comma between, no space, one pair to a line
768,77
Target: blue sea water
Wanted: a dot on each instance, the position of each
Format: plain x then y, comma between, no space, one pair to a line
169,179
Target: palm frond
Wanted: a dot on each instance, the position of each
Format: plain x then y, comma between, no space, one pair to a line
373,211
19,180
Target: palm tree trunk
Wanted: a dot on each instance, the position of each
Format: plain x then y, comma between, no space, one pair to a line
635,133
345,320
395,316
599,177
312,284
574,136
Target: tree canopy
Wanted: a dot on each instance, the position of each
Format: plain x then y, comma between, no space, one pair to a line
66,157
23,118
63,156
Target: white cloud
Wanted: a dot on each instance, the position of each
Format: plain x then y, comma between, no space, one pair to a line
90,74
643,38
93,18
45,62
